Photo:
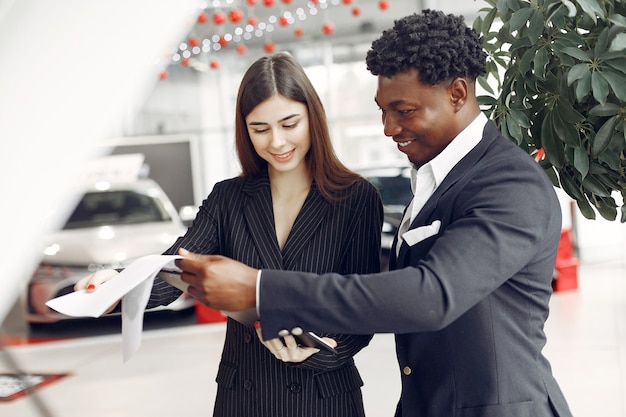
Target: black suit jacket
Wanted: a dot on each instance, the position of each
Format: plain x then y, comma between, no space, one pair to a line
467,302
236,220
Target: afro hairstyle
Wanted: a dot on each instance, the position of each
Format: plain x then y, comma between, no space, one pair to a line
439,46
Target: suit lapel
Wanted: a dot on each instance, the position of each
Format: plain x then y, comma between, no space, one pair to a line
259,216
308,221
459,171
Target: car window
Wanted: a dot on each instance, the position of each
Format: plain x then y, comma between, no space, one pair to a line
116,207
394,191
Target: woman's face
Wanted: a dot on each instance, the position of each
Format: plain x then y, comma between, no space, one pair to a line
279,130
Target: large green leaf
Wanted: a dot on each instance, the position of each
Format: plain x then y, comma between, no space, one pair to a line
618,19
602,42
519,18
571,8
576,53
604,135
618,86
514,129
618,43
596,187
571,186
485,85
540,62
599,87
551,145
536,26
586,210
607,208
583,87
592,8
577,72
581,161
564,128
608,109
612,160
519,117
618,64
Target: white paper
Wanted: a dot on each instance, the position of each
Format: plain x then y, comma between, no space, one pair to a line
132,285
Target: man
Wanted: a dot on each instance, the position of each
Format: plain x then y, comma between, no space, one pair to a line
470,281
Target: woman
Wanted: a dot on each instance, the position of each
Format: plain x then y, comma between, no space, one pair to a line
294,207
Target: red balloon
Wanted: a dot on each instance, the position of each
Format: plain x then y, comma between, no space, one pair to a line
356,11
241,49
287,1
202,18
184,62
252,21
298,32
383,4
269,47
235,16
268,3
163,75
347,1
193,41
250,2
328,28
283,21
219,18
215,64
223,41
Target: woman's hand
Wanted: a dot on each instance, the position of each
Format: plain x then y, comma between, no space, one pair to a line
91,282
286,348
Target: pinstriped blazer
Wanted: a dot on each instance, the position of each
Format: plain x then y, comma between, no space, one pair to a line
236,220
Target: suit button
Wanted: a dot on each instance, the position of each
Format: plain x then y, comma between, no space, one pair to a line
283,333
297,331
295,388
247,384
406,370
247,338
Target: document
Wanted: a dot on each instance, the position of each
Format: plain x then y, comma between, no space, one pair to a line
132,286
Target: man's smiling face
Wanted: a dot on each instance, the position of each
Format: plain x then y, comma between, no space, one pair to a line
420,118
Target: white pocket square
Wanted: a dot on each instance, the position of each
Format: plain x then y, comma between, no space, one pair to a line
418,234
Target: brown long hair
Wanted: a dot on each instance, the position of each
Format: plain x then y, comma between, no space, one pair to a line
281,74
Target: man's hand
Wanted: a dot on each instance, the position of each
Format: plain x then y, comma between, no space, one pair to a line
218,282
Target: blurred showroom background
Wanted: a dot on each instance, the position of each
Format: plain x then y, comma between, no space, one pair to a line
83,79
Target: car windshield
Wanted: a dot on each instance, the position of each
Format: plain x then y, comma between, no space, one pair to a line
116,207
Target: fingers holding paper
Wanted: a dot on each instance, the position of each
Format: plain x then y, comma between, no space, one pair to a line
218,282
91,282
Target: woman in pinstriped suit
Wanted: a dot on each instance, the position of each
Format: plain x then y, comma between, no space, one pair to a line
294,207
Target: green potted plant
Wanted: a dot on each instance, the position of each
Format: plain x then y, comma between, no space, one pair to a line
559,68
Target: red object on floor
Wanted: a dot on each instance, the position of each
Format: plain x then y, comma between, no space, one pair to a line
566,264
566,275
205,314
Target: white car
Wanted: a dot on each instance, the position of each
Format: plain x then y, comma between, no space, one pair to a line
112,225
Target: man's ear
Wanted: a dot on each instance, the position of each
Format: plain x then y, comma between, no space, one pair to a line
458,91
